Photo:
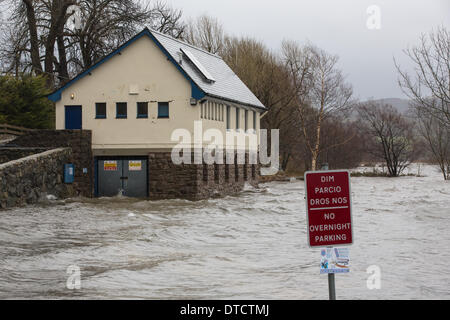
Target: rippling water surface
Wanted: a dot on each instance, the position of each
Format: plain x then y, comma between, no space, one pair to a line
253,246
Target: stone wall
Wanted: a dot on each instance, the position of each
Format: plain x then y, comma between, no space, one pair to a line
166,180
79,141
10,154
170,181
197,182
27,180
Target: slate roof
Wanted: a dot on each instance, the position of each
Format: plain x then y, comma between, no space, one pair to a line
227,85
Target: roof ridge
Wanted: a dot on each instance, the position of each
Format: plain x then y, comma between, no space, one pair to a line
185,43
199,89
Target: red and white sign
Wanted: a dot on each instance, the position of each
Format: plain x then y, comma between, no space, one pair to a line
329,208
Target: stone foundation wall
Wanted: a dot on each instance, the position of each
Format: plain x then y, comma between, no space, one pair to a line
27,180
166,180
79,141
170,181
196,182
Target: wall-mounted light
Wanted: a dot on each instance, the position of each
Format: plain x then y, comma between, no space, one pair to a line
72,96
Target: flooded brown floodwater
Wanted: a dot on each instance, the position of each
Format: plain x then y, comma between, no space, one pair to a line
253,246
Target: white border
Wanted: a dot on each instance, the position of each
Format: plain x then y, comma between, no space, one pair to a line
350,206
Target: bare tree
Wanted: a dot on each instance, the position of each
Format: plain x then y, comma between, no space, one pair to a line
429,90
271,78
328,95
38,24
39,39
207,33
429,86
284,83
286,86
437,137
392,137
167,20
106,24
265,74
342,143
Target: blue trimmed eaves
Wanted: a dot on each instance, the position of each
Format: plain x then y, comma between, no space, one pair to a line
196,91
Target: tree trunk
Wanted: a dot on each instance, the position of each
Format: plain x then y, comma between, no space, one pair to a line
315,153
285,162
58,20
34,42
314,162
63,72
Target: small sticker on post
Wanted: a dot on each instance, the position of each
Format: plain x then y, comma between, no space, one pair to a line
335,260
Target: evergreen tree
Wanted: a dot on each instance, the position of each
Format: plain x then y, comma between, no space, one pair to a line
23,102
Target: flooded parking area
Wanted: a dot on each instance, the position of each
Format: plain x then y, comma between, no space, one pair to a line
252,246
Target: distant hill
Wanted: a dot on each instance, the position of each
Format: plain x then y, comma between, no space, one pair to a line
402,105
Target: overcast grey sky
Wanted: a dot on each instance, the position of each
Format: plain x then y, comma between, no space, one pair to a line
338,26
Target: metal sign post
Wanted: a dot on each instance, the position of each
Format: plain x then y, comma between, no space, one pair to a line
332,286
328,201
331,276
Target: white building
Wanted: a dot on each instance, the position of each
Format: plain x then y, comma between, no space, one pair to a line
135,98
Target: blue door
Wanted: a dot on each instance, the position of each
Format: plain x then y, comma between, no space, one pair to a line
73,118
